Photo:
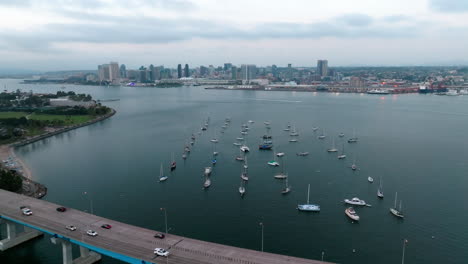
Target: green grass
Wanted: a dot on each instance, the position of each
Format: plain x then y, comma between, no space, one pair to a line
12,114
68,119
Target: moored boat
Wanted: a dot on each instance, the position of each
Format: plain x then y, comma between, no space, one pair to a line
355,201
308,207
352,214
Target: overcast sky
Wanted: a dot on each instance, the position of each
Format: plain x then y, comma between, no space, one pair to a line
79,34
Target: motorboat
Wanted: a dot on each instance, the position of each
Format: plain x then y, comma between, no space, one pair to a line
240,138
207,183
237,144
208,170
315,128
370,179
280,154
352,214
251,122
302,154
341,135
214,140
342,156
293,140
244,176
265,146
281,176
244,132
355,201
273,163
242,190
244,148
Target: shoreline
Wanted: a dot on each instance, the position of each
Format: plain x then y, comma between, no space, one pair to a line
7,155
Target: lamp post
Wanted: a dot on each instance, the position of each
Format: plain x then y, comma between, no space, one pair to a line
165,216
90,201
323,253
261,224
403,255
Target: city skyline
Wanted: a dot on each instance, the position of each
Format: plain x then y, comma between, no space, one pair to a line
68,35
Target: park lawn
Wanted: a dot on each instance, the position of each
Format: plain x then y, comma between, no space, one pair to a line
69,119
12,114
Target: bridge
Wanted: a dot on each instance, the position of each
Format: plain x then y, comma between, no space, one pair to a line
125,242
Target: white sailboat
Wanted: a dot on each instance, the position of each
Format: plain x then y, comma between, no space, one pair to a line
333,148
308,207
162,177
281,175
273,163
322,136
354,166
242,188
397,212
342,155
354,139
287,188
244,175
380,190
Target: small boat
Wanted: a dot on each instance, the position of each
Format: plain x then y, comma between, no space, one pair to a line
214,140
287,188
322,136
208,171
193,137
397,212
244,132
240,138
352,214
280,154
224,127
203,128
245,163
308,207
244,148
187,149
294,133
380,190
302,154
286,129
173,163
239,158
227,120
207,183
333,148
267,137
281,175
273,163
355,201
244,176
341,135
265,146
370,179
342,155
354,139
266,123
191,143
162,177
251,122
293,140
237,144
242,188
315,128
184,156
354,167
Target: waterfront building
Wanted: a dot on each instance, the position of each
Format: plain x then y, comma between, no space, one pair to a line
123,71
151,73
157,72
322,68
227,66
248,72
179,71
114,72
356,82
234,73
187,71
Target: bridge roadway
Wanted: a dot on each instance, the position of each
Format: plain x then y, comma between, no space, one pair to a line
135,242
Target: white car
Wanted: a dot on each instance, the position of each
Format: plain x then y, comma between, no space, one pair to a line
70,227
161,252
26,211
91,233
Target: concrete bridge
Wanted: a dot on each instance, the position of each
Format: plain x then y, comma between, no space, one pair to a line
125,242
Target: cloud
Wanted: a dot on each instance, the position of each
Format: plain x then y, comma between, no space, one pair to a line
454,6
356,20
180,5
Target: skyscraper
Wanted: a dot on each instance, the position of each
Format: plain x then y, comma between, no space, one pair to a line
123,71
227,66
157,72
151,73
179,71
234,72
322,68
248,72
114,72
186,71
104,72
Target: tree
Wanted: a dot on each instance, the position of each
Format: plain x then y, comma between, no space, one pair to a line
10,181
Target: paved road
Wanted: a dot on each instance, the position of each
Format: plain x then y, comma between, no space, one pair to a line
130,240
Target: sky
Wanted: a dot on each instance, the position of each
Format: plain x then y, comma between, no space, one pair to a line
80,34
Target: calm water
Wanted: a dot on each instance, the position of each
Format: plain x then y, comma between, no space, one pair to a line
415,143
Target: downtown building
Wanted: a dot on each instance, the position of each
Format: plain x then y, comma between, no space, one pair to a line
109,73
248,72
322,68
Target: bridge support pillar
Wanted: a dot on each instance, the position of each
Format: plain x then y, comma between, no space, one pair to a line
86,256
14,238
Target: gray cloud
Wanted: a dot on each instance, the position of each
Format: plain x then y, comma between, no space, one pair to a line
357,20
449,5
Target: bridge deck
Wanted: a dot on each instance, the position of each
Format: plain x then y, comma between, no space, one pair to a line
129,240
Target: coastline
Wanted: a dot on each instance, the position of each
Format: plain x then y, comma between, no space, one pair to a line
7,153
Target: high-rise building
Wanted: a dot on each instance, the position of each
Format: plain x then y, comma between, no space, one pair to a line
151,73
234,72
227,66
179,71
104,72
248,72
322,68
187,71
114,72
157,72
123,71
203,71
274,70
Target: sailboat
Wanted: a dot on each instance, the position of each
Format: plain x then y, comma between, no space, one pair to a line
370,179
240,157
161,174
308,207
281,175
215,153
245,163
173,163
342,155
322,136
314,128
333,148
394,210
207,182
294,132
287,188
380,190
242,189
354,139
354,166
273,163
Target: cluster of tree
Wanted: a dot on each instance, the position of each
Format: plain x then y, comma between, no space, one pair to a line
81,97
10,180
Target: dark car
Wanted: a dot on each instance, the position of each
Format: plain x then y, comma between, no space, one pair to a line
106,226
61,209
160,236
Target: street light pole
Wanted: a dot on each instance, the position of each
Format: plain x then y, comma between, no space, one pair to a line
165,217
261,224
323,253
90,202
403,256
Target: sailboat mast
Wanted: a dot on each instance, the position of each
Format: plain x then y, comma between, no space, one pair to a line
308,191
396,194
400,207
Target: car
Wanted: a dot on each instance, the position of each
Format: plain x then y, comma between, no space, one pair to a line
91,233
26,211
61,209
70,227
161,252
159,235
106,226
